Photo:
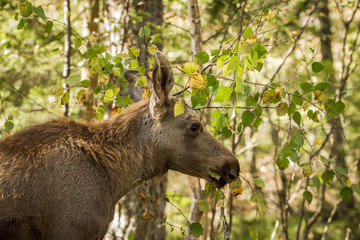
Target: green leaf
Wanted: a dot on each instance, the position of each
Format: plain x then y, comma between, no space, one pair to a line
294,157
259,49
219,120
48,26
131,236
339,106
254,235
356,188
97,89
133,52
292,108
282,109
297,100
284,151
322,86
247,117
85,83
110,94
144,32
233,63
190,67
250,100
100,111
328,176
223,94
341,170
65,98
316,182
196,229
269,96
73,80
123,101
78,42
40,12
317,67
297,117
239,84
90,53
203,205
26,9
21,24
330,107
305,86
221,60
297,140
282,163
248,32
8,125
202,57
259,182
307,170
258,199
178,108
346,194
81,95
142,80
308,196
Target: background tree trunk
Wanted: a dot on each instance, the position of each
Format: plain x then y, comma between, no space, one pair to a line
67,48
90,27
134,214
197,193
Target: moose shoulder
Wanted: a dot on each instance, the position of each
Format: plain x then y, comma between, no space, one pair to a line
62,179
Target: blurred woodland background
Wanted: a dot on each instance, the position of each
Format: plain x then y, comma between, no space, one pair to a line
276,81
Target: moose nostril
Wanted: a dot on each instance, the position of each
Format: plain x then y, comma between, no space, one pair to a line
231,177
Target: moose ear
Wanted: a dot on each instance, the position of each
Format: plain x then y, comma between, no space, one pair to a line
135,92
163,81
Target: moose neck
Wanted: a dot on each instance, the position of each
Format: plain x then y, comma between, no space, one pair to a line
128,148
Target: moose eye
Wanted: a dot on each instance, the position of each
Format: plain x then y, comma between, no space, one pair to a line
194,127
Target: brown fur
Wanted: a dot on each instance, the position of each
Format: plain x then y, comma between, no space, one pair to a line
62,179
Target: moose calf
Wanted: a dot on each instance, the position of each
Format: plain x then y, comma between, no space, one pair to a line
62,179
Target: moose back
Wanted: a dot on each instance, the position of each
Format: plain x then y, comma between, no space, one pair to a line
62,179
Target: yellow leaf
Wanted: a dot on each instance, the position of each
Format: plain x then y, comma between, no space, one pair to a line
237,192
116,110
278,92
178,109
92,39
116,71
190,67
318,141
104,78
319,94
251,39
197,81
270,15
305,106
146,94
152,49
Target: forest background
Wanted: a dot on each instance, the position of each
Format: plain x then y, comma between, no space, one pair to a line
276,81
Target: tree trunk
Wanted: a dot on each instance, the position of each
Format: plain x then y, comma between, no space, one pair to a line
90,27
67,48
197,193
135,214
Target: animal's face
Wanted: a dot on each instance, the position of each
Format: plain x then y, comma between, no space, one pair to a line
191,149
182,141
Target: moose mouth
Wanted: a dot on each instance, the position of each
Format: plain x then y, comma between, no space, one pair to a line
217,182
